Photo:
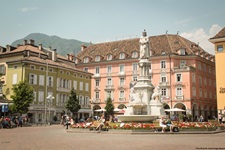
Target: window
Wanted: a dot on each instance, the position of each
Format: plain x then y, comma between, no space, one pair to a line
210,82
97,82
42,69
86,87
86,69
75,85
109,81
193,78
122,56
179,91
135,67
193,91
86,59
121,94
200,92
199,66
32,79
205,81
121,68
97,70
134,54
109,57
210,94
109,69
134,78
81,86
109,94
182,51
220,48
15,67
97,58
200,80
182,63
14,79
178,77
209,69
163,91
41,80
32,67
163,77
122,81
50,81
204,67
163,64
205,94
2,69
51,70
61,72
41,96
97,95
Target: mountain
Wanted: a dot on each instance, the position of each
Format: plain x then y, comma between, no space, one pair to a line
63,46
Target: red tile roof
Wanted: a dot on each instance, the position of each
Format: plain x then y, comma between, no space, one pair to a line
162,43
220,34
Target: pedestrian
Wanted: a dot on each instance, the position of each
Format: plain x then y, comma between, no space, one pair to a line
20,121
67,121
162,124
101,124
25,120
201,118
220,118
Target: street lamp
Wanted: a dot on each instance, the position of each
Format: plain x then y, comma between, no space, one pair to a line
46,91
50,99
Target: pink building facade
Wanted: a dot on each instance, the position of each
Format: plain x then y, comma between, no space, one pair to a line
184,72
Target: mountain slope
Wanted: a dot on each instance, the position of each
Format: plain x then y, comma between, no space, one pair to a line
63,46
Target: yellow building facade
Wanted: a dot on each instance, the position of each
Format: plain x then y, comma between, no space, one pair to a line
219,41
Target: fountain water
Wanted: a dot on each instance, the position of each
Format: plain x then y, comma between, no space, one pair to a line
140,108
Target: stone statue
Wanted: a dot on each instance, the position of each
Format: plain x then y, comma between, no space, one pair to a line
156,95
144,46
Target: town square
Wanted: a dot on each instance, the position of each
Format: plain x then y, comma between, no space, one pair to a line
112,75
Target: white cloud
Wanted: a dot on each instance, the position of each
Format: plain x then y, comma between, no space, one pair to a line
202,36
26,9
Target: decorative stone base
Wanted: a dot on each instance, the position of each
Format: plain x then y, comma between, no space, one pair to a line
136,118
156,108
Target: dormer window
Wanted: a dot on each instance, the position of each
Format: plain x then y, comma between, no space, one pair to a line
182,51
134,54
219,48
122,56
86,59
97,58
163,53
109,57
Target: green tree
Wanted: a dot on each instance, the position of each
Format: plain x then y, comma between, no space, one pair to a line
73,103
109,107
23,95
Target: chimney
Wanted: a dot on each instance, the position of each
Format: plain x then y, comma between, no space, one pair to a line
40,47
1,49
54,57
24,42
8,48
83,47
31,42
68,56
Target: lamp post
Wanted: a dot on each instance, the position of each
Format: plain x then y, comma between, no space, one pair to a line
46,92
50,99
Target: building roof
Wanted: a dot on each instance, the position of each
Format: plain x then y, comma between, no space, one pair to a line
220,34
166,43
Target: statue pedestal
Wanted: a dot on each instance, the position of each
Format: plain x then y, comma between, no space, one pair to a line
156,108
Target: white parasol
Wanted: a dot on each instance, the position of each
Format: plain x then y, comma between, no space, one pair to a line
174,109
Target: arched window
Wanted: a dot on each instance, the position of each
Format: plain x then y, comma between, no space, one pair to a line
122,56
86,59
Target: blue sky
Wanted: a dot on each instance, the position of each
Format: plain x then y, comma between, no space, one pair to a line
110,20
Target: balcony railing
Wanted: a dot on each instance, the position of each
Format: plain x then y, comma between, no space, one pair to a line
179,97
97,76
122,99
121,74
96,100
109,87
164,84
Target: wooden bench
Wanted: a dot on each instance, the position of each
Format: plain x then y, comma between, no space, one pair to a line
96,123
159,128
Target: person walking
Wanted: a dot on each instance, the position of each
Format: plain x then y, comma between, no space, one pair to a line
67,122
220,118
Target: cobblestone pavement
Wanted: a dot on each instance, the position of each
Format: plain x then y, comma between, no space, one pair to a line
55,137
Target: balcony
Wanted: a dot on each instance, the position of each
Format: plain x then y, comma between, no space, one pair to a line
163,84
183,68
96,101
63,89
109,87
121,74
122,99
179,97
96,76
85,106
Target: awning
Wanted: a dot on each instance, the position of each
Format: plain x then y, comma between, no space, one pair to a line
84,111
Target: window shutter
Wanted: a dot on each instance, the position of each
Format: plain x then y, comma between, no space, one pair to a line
35,79
14,79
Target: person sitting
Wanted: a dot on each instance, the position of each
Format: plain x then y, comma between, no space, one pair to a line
169,124
101,124
162,124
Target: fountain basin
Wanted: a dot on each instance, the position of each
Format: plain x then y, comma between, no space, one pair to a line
136,118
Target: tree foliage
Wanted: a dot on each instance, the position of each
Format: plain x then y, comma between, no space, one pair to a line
73,103
109,107
23,95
